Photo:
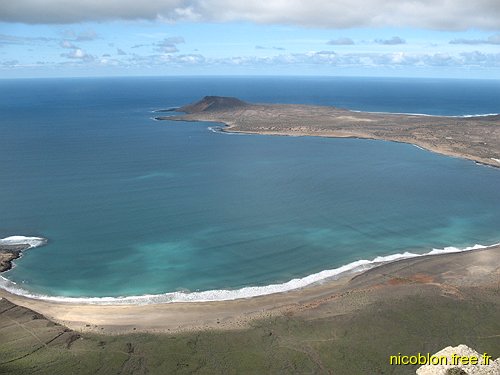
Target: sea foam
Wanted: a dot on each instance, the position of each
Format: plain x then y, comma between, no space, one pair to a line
22,240
426,114
246,292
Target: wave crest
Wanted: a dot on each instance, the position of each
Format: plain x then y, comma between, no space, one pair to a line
22,240
226,295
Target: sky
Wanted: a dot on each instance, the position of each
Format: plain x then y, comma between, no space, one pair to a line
400,38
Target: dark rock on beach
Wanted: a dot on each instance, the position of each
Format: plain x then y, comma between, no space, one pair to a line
8,253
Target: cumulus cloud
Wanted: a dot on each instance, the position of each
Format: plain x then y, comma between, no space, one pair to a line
341,42
169,45
439,14
328,58
493,39
67,44
78,54
161,60
395,40
75,53
366,60
9,63
120,52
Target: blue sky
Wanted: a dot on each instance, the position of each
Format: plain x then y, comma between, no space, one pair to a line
416,38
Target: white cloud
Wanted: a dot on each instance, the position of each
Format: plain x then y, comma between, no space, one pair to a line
67,44
492,39
78,54
10,63
328,58
169,45
437,14
340,42
367,60
390,42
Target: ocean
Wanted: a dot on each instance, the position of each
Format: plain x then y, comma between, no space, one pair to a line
138,210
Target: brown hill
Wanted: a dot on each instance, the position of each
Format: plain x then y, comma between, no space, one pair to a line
214,104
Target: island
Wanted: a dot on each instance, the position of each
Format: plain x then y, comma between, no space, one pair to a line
475,137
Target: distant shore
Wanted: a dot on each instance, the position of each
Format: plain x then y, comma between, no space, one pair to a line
476,138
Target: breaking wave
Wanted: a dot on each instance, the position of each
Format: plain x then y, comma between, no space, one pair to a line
428,115
224,294
22,240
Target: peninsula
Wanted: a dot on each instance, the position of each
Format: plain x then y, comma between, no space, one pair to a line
475,138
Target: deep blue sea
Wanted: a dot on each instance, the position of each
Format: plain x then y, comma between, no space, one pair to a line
132,206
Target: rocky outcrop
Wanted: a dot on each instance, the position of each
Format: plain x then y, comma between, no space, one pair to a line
484,366
213,104
8,253
12,247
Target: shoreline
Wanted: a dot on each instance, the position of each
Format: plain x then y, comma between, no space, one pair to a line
9,253
475,138
241,313
12,248
225,295
228,128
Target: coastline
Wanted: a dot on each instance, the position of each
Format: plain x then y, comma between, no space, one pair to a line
10,253
223,295
235,314
229,128
12,248
477,268
475,138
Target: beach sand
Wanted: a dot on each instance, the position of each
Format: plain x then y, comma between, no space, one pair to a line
348,326
442,273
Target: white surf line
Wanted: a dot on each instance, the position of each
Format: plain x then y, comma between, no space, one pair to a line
228,295
22,240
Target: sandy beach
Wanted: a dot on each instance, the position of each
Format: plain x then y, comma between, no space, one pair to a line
348,326
441,273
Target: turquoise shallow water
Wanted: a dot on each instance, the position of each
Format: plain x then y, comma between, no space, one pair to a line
133,206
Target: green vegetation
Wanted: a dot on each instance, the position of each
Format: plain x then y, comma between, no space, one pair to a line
358,343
